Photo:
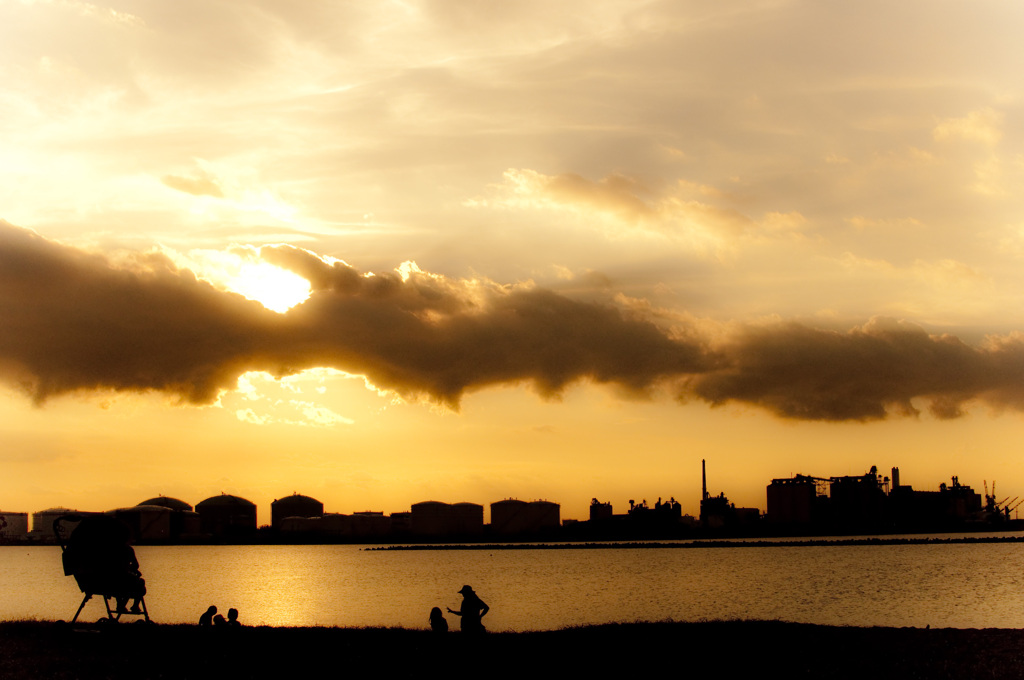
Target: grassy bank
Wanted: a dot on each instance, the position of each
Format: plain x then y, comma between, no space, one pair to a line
724,649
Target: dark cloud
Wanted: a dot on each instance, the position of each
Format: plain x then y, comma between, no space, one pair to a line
75,321
809,374
72,321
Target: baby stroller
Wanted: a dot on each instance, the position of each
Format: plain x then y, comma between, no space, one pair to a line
96,552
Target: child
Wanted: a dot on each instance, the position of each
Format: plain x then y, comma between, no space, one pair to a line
438,623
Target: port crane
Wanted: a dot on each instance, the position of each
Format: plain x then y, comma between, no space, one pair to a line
999,508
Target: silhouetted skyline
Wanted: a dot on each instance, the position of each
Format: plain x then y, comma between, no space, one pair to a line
431,251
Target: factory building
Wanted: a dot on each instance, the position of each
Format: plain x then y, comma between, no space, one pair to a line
512,516
600,512
227,515
295,505
796,500
951,504
13,526
868,502
858,500
716,512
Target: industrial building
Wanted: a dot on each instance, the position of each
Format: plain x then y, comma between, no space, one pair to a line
718,514
295,505
951,504
511,516
600,512
13,526
870,502
858,500
146,522
358,525
184,521
796,500
434,518
227,515
42,522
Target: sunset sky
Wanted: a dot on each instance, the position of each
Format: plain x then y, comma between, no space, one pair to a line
386,252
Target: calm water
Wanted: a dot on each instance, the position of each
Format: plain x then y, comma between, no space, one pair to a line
960,586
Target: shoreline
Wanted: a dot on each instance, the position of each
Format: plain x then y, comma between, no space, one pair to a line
591,544
54,650
706,543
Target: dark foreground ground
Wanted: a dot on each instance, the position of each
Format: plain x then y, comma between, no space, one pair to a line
724,649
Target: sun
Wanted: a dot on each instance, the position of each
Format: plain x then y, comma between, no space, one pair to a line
240,270
276,289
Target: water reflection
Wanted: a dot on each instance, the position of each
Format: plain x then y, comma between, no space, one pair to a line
960,585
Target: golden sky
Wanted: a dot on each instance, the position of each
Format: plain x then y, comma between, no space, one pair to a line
380,253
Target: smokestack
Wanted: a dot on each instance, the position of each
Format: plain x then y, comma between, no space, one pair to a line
703,480
895,478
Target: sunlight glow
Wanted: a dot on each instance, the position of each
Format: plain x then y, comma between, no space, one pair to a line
240,271
266,400
275,288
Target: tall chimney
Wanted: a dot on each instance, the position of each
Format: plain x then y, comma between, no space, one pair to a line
703,480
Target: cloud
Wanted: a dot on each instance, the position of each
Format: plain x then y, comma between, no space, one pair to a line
75,321
864,374
983,126
698,215
197,186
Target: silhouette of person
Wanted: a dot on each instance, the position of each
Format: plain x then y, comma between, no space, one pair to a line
129,581
471,612
438,623
207,618
233,618
218,620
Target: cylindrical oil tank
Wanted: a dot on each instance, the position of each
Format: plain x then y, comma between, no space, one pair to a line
295,505
226,515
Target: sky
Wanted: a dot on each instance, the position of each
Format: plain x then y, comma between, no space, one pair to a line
382,253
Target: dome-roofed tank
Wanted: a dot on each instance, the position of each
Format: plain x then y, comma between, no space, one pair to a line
227,515
168,502
184,521
295,505
148,522
512,516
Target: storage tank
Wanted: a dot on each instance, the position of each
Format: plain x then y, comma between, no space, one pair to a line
227,515
544,515
511,516
295,505
13,526
42,522
147,522
507,516
432,518
469,518
185,522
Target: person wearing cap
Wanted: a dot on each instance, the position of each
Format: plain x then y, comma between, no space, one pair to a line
471,612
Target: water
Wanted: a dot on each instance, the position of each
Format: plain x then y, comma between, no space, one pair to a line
951,585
